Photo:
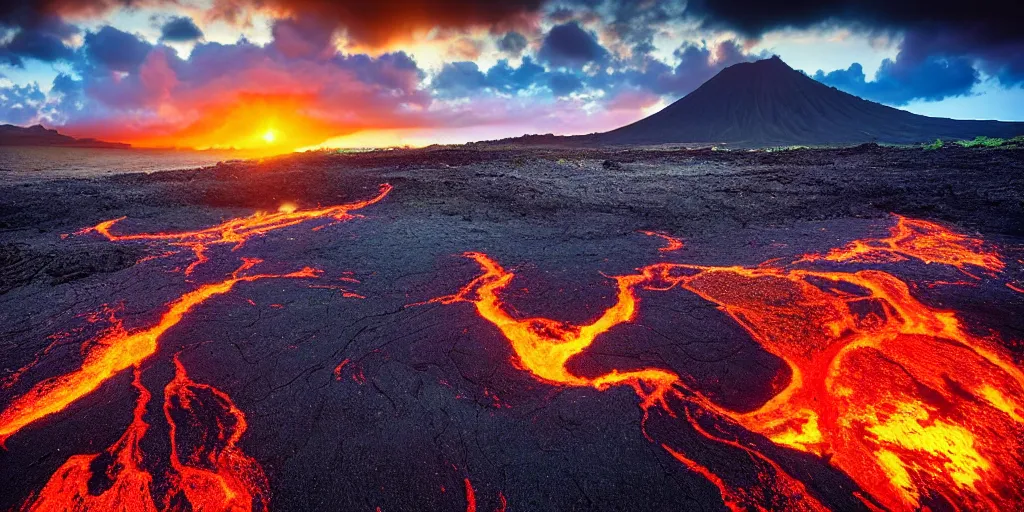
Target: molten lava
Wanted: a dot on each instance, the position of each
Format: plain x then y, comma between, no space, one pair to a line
237,231
114,351
671,243
916,409
131,485
213,473
544,346
921,240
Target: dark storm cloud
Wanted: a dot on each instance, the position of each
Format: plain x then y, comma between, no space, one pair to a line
984,31
460,79
570,46
697,64
512,43
564,84
180,29
897,83
115,50
466,79
39,37
377,23
987,19
928,67
505,78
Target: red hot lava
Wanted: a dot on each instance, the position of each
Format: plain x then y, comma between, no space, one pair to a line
117,350
922,240
671,243
214,474
131,485
899,395
237,231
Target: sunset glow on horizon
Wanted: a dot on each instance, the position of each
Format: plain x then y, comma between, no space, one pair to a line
220,74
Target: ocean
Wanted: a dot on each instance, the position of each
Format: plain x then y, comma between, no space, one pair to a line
27,163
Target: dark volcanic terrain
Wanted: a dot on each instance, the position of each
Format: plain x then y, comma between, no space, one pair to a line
383,401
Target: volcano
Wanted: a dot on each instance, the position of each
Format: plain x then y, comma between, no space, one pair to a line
768,103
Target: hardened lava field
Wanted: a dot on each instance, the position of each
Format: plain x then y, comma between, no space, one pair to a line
519,329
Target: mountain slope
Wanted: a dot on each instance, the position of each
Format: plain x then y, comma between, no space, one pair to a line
767,103
37,135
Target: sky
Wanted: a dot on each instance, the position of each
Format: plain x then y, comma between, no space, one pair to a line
282,75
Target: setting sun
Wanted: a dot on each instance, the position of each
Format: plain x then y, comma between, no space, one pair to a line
269,137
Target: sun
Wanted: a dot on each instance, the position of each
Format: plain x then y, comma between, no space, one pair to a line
269,137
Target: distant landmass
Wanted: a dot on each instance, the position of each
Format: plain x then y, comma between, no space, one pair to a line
38,135
767,103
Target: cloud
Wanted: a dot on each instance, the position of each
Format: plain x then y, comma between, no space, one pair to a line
899,83
21,104
938,36
696,65
564,84
460,79
41,38
987,19
379,24
512,43
180,29
570,46
465,79
114,49
504,78
129,90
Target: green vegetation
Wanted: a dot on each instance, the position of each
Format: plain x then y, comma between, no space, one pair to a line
992,142
981,142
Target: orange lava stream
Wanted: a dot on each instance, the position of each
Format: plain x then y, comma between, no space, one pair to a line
130,489
239,230
544,347
671,243
916,409
115,351
918,239
215,474
729,497
899,395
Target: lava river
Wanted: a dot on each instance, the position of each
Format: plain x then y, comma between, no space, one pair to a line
237,231
206,469
897,394
210,473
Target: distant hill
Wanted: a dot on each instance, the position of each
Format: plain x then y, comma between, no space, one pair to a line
11,135
768,103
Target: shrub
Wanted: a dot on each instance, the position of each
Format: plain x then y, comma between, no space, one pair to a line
934,145
982,142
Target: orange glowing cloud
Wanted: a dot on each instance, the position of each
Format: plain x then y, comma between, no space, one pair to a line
232,96
379,25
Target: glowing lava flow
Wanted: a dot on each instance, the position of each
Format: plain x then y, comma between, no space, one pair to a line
214,474
239,230
115,351
671,243
544,347
470,497
130,489
921,240
914,408
898,395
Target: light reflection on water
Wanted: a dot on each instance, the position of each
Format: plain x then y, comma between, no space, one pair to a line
44,162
